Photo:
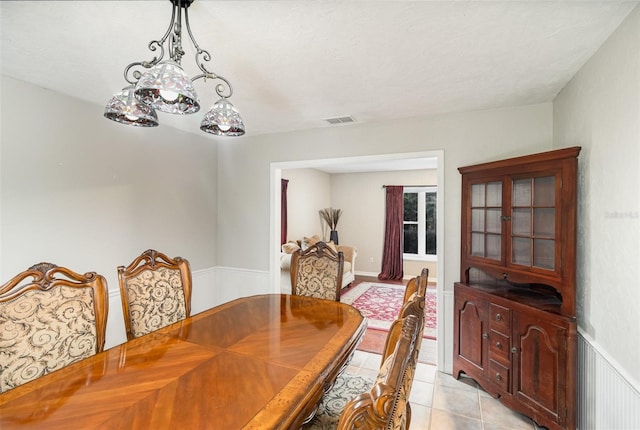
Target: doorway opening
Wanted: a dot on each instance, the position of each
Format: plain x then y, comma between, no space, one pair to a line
376,163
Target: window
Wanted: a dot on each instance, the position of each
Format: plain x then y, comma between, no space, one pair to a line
420,222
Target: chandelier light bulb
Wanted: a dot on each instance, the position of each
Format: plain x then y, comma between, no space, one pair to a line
169,95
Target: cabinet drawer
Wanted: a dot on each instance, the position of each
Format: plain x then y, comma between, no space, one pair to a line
499,375
500,319
499,346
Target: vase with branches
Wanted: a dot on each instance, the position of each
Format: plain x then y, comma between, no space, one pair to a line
331,217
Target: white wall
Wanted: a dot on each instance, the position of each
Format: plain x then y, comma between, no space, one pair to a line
600,111
91,194
309,190
466,138
362,199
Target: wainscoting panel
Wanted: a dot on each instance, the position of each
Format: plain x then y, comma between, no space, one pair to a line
203,290
607,400
232,283
211,287
445,332
116,333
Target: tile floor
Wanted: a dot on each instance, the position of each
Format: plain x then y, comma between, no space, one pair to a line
440,402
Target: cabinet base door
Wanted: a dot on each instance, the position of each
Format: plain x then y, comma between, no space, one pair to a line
470,331
541,381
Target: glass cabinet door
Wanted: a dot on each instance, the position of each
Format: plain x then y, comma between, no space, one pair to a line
486,226
533,222
519,223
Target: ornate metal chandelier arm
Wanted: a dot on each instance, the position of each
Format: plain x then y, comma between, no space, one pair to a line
220,88
200,53
137,74
153,45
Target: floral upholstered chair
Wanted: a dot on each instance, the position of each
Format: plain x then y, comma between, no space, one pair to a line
50,317
381,404
155,292
317,272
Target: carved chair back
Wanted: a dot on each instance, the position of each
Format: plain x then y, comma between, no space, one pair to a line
348,386
415,306
417,285
386,405
317,272
155,292
50,317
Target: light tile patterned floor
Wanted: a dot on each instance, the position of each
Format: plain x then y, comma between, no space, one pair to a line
440,402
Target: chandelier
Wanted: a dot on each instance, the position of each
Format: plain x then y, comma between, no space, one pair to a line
162,85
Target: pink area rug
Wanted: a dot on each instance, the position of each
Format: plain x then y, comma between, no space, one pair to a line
380,304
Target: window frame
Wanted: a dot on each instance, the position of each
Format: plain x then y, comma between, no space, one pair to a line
422,191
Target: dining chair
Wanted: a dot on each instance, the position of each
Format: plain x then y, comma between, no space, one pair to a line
155,292
414,302
411,288
417,285
317,272
415,306
50,317
355,402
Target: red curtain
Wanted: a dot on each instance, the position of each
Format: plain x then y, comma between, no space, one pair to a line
283,210
393,234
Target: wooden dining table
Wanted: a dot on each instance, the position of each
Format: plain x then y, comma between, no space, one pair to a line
259,362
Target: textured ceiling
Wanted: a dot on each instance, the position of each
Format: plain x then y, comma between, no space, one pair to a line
294,63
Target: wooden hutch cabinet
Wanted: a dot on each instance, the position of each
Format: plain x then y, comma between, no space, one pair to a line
514,323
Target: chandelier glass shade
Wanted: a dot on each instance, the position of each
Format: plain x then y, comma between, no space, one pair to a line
125,108
223,120
158,85
167,88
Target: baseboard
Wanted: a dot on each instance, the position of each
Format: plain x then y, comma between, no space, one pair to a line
367,274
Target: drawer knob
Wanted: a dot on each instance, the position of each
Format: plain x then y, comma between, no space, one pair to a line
498,345
498,377
514,350
485,336
498,317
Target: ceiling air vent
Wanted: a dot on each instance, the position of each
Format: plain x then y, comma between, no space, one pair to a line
340,120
